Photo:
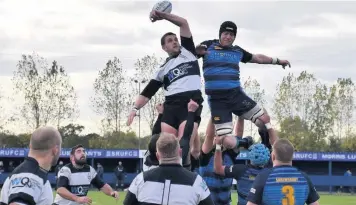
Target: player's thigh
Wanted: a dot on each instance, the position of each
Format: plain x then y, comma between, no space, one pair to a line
245,106
170,122
221,115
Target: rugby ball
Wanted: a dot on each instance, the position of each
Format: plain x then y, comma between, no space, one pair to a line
163,6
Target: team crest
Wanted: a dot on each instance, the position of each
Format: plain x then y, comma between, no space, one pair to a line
89,176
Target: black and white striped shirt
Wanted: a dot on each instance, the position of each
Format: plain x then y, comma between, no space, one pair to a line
168,184
27,185
76,181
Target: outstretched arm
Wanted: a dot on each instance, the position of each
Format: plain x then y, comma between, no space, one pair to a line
157,126
239,127
176,20
262,59
188,130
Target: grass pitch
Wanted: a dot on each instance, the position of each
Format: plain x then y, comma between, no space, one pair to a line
101,199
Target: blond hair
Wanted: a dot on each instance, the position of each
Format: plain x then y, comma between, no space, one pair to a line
167,146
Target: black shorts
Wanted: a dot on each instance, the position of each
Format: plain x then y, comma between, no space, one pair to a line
234,101
176,108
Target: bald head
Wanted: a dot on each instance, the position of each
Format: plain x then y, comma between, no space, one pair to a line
168,147
45,138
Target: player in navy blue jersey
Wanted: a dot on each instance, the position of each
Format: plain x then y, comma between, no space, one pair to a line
259,158
221,67
283,184
220,187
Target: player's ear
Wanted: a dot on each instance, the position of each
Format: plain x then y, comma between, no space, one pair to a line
157,155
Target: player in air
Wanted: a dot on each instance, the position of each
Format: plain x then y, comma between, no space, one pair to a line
221,60
75,179
259,158
282,184
180,78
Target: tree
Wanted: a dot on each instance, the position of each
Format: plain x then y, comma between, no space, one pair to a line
321,116
61,93
145,68
309,100
285,103
46,90
344,106
253,89
111,97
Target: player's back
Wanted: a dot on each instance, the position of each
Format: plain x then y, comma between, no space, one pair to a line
285,185
168,184
27,184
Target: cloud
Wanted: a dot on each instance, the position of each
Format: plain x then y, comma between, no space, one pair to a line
83,34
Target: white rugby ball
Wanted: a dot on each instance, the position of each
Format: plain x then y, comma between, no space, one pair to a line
163,6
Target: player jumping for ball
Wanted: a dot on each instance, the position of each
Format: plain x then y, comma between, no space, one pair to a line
221,69
180,77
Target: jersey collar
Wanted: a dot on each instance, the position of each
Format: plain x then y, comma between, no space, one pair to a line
170,165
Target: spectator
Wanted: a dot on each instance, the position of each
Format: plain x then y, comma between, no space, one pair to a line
11,166
100,171
119,173
347,189
2,170
58,167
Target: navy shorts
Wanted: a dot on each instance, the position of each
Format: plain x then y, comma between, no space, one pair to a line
224,104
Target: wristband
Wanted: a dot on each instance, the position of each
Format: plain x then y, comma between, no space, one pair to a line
268,126
275,61
135,109
218,147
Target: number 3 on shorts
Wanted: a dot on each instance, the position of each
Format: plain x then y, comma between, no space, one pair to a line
288,192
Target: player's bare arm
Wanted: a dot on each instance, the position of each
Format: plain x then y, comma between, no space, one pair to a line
106,189
140,102
263,59
176,20
239,127
219,168
272,133
63,192
209,138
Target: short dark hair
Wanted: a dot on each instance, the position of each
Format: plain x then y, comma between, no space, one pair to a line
283,150
75,148
163,39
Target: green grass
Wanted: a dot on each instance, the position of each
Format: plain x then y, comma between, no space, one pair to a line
101,199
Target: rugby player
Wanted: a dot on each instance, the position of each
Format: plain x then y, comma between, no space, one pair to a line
282,184
180,77
75,178
28,183
151,159
219,186
221,61
259,158
169,183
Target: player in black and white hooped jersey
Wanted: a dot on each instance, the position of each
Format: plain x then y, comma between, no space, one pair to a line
28,183
170,182
180,78
74,180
